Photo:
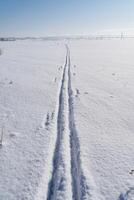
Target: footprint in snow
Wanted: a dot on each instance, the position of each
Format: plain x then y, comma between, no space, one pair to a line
52,115
77,92
129,195
59,68
14,134
113,74
10,82
47,121
131,172
55,79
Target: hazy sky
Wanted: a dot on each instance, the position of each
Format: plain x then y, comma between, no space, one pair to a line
64,17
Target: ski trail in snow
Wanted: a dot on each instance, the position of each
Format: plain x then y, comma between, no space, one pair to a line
79,185
60,184
69,181
74,143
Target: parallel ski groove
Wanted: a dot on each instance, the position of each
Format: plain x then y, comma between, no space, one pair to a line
57,185
67,181
79,186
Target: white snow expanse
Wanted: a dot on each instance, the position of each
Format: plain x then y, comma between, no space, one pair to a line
67,114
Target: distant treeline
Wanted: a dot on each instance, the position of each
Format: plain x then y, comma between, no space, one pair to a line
7,39
90,37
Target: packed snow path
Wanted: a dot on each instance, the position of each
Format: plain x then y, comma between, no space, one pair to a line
67,181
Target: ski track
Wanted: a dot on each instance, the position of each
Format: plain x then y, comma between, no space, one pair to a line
67,181
60,184
79,185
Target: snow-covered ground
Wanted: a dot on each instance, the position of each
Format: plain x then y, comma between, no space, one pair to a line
104,112
29,81
67,115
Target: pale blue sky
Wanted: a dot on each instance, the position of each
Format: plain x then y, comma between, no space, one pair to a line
64,17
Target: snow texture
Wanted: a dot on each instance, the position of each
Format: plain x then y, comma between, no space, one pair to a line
67,120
